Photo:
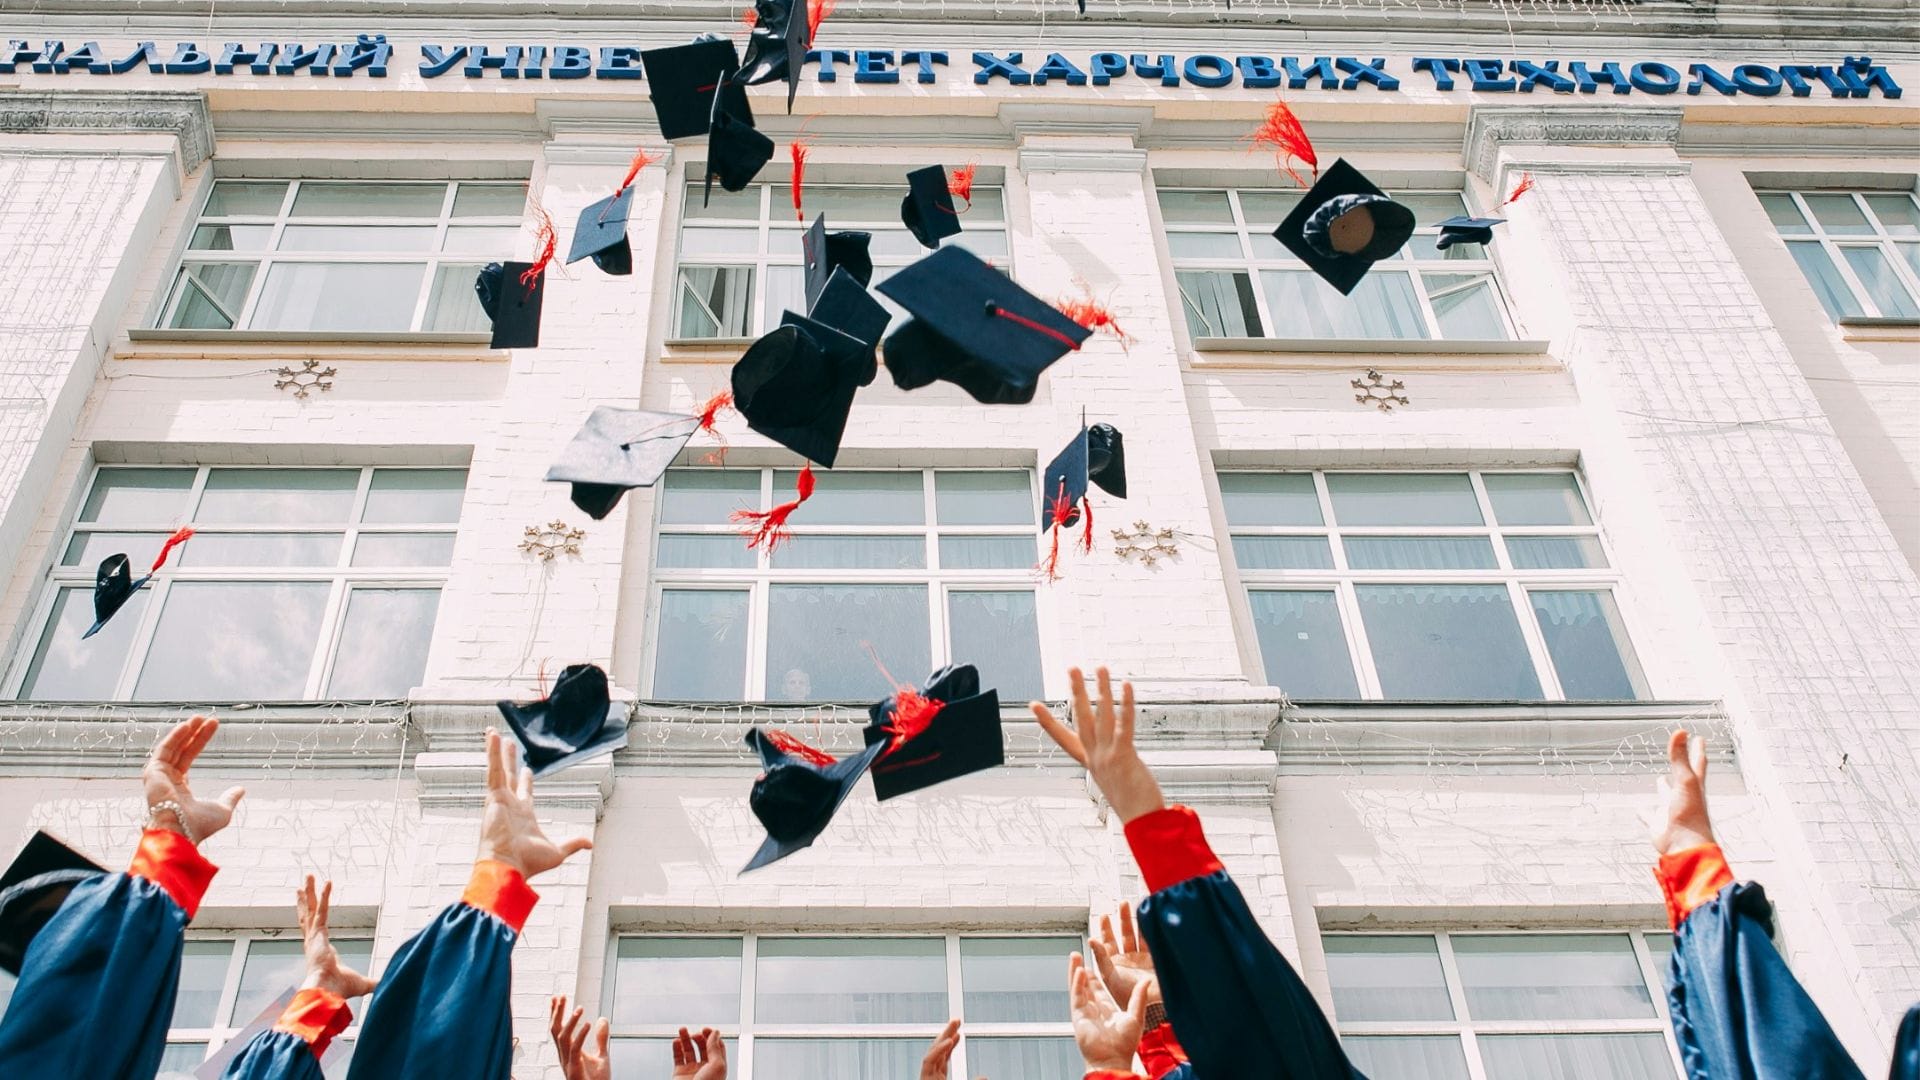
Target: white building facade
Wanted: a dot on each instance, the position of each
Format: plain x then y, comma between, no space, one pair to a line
1411,586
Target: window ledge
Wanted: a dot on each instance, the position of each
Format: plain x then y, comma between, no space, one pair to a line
165,344
114,737
1862,328
1340,737
1315,353
704,350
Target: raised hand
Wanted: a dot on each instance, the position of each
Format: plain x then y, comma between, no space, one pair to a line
324,970
1124,961
934,1065
509,831
1105,1033
1102,740
578,1060
1684,790
699,1057
165,778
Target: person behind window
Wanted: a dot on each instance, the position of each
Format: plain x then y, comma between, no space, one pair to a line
796,685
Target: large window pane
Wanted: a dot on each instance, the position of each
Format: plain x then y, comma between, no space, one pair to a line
817,639
703,552
786,291
278,496
986,552
260,549
1302,644
1898,214
1536,499
1784,214
1838,214
715,301
360,199
983,498
1386,977
1407,1057
1402,499
1447,643
270,968
1218,303
842,1059
1031,1057
230,237
203,975
720,203
339,296
1466,305
1589,646
658,980
1015,980
234,641
859,498
845,203
1270,498
999,633
383,643
1555,552
1420,553
403,549
88,548
65,668
850,981
1827,283
452,305
210,295
1195,208
1282,553
357,238
1876,274
245,198
1639,1056
415,496
811,551
701,653
1551,977
490,200
1383,305
1204,245
138,497
707,496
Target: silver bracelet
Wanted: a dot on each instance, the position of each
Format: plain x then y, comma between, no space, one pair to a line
179,814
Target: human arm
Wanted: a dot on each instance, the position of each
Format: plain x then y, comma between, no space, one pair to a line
934,1065
1690,866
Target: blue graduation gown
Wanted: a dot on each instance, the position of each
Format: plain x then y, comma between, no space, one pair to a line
97,984
1906,1048
1738,1012
1235,1003
275,1055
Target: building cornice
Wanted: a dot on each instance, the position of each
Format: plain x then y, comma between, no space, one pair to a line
1494,127
182,114
50,739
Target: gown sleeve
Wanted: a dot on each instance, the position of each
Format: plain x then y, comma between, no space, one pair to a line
441,1008
1737,1010
1238,1006
291,1049
1906,1048
96,989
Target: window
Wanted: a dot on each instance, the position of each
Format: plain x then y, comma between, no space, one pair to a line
1859,250
226,982
1430,586
740,258
860,1008
923,567
342,255
1464,1006
298,584
1237,281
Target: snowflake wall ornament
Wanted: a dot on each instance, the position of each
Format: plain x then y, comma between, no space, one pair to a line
1146,542
1378,392
549,541
310,376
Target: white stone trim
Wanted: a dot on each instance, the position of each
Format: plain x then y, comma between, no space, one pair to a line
1492,127
1327,738
107,112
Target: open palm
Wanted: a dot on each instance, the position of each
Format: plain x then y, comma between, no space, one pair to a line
165,779
324,969
1105,1033
509,830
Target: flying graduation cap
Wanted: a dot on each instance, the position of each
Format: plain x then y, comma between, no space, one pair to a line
974,327
113,583
777,47
602,230
1095,457
684,80
928,211
929,736
512,293
32,890
1467,229
1343,225
620,449
824,252
799,790
569,725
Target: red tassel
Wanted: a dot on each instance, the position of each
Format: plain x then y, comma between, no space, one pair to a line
1059,510
912,712
1525,185
960,183
793,747
769,527
798,149
641,159
751,19
1030,324
1282,130
180,536
817,12
1086,525
1089,313
549,240
711,412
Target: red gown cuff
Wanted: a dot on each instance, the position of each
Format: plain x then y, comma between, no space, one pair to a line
502,892
170,861
1160,1052
1691,877
1112,1074
316,1016
1170,847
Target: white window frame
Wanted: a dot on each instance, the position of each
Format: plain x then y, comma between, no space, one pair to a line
343,577
216,1036
1887,242
1467,1029
758,579
264,259
1341,580
1252,264
741,1033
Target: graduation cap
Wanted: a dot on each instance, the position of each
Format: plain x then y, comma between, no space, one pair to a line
602,234
777,48
32,890
1466,229
619,449
113,583
928,211
685,80
825,252
511,294
1343,225
735,152
844,305
946,731
1096,457
974,327
569,725
795,385
799,791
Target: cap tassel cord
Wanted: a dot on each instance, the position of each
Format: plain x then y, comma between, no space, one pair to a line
793,747
996,309
752,18
960,184
549,240
769,527
709,417
641,159
817,12
1525,185
1089,313
1059,510
798,149
180,536
1282,130
1086,530
912,711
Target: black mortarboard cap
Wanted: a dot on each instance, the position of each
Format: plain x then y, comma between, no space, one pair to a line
974,327
619,449
795,385
1093,457
735,152
602,233
849,308
777,47
824,252
33,888
513,306
684,80
1465,229
962,737
928,211
113,586
569,725
796,797
1343,225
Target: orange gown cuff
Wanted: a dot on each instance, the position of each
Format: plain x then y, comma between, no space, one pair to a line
315,1015
170,861
1160,1052
1170,847
502,892
1691,877
1112,1074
